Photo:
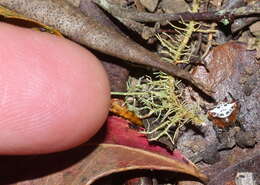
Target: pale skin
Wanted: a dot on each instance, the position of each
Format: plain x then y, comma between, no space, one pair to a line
54,94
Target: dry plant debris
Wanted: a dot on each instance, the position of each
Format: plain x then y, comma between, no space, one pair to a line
184,39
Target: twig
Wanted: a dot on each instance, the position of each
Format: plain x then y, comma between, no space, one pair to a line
239,24
210,35
145,31
215,16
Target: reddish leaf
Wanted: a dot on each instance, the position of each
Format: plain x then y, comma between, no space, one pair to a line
117,131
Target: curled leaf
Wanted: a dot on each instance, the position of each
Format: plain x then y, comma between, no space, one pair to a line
117,131
85,165
109,158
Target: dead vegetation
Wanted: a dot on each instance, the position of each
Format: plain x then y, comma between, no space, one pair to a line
192,44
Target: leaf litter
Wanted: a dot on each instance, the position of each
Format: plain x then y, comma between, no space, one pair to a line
227,72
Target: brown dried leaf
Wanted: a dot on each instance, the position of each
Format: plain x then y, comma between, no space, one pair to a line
20,20
225,67
85,165
110,158
220,65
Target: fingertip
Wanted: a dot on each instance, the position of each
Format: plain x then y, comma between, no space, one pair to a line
54,94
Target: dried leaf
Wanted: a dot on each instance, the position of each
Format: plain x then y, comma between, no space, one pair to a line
224,63
109,158
17,19
117,131
86,164
98,161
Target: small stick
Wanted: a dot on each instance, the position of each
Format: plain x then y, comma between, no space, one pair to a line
215,16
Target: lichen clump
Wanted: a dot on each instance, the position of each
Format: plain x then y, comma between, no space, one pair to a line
180,47
161,98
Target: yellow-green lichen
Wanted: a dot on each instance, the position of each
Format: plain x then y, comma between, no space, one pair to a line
178,47
161,97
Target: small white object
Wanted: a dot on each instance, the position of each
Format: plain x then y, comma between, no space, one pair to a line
223,110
